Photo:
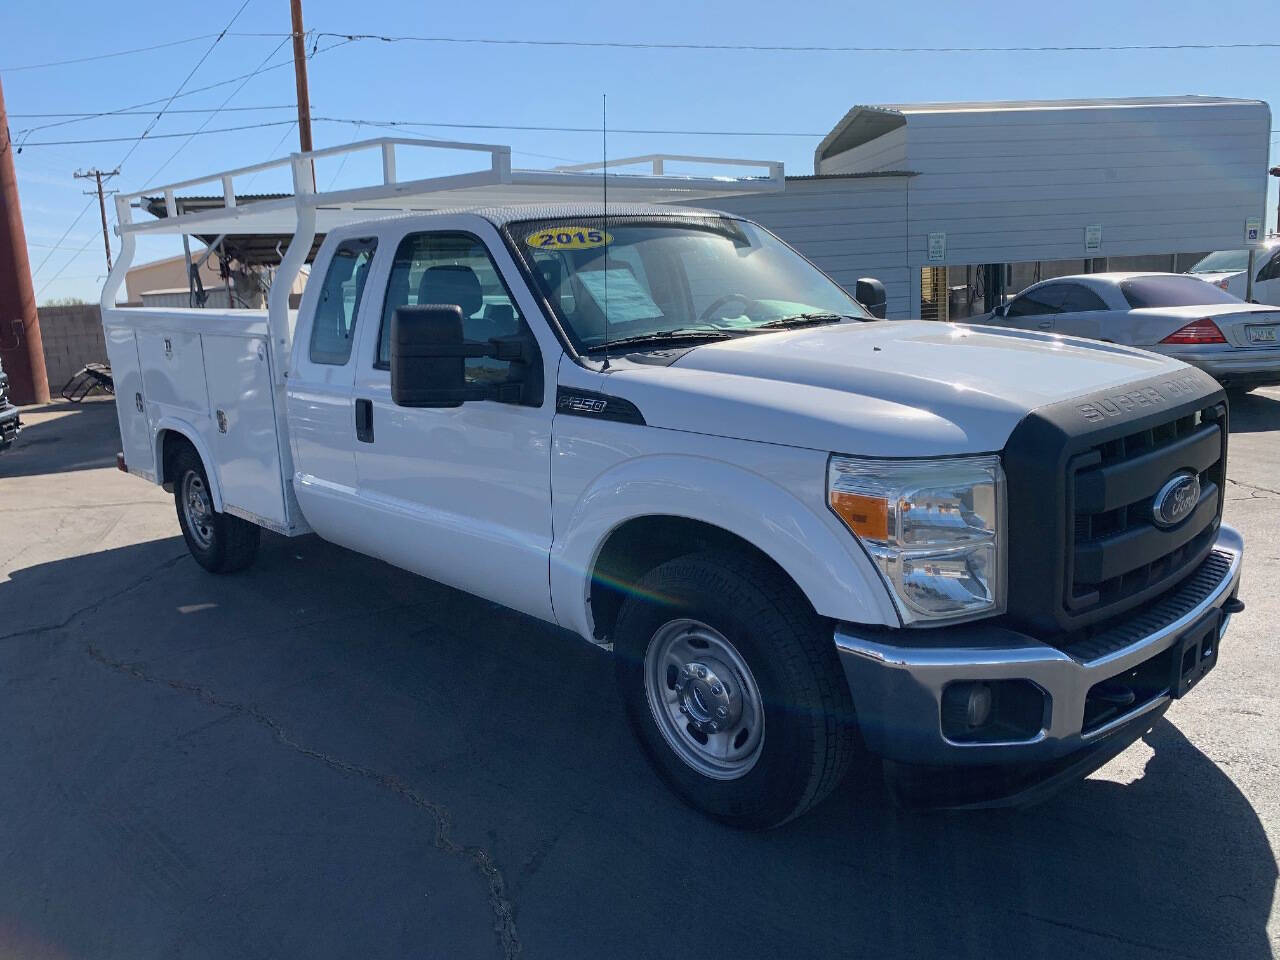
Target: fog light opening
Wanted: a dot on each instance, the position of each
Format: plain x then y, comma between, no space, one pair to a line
993,711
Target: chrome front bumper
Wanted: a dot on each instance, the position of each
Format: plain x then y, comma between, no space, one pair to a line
10,423
897,677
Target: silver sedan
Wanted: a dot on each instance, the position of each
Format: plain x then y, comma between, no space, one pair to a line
1177,315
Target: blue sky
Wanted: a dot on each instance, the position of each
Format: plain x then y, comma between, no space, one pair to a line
765,92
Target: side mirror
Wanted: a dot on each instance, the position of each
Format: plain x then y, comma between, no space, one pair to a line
429,354
870,293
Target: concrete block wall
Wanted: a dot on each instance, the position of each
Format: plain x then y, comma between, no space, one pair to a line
72,338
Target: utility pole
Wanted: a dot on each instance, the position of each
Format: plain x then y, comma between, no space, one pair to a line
102,203
1275,172
21,350
300,75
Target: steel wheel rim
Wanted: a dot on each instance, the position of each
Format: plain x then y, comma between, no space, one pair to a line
197,508
704,699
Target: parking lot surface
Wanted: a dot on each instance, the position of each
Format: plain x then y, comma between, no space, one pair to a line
327,757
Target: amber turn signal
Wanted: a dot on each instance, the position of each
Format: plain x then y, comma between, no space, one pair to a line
866,516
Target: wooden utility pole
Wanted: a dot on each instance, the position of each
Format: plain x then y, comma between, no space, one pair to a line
21,350
102,203
300,75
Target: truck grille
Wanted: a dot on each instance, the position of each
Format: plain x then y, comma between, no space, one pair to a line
4,390
1115,550
1083,476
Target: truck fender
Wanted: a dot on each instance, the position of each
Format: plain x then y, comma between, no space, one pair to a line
826,563
188,430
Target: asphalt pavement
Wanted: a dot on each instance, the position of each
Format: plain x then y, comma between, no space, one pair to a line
327,757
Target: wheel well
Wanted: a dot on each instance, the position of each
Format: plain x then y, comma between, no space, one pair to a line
639,545
171,443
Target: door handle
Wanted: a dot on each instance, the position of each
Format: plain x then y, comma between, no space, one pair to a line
364,421
1046,324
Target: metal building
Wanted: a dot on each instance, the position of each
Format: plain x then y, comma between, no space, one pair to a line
901,191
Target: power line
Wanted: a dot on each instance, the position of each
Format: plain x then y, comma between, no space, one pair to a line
125,53
189,93
135,146
158,136
223,106
92,114
390,124
779,48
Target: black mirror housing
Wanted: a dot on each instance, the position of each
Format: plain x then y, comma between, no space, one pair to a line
429,355
870,293
428,362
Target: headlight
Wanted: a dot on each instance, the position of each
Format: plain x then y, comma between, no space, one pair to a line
933,527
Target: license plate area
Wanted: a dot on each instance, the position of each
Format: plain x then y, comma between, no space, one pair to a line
1262,334
1195,653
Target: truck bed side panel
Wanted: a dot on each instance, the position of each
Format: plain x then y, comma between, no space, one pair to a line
173,370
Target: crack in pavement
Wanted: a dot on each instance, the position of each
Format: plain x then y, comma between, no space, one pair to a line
1253,486
90,608
503,910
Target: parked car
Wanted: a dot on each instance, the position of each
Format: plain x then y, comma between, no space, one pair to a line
1171,313
1226,269
10,423
800,531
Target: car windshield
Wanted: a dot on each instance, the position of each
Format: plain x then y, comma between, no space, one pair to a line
1222,261
1172,290
660,276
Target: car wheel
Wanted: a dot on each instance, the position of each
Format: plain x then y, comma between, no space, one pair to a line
733,688
219,542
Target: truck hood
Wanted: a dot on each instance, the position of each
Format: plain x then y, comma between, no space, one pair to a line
887,388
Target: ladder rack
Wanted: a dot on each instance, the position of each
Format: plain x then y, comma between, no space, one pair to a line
306,211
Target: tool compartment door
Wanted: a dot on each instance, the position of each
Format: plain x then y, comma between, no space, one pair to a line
245,441
131,407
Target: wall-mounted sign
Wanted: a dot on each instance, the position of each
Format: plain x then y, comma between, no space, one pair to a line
1253,230
937,247
1093,238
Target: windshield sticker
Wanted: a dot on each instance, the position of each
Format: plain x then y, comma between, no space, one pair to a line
569,238
628,300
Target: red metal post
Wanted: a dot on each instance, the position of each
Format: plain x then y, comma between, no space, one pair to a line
21,350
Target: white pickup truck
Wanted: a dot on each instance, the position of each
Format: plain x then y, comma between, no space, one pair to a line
991,557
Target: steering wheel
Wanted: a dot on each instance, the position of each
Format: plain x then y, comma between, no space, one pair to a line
721,301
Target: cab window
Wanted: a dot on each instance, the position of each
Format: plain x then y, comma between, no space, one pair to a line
451,268
339,303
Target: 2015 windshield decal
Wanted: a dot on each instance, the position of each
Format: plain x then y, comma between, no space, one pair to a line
569,238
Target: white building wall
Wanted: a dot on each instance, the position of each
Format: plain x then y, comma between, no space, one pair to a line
850,227
1022,184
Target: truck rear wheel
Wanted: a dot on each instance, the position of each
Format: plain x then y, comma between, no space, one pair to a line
733,688
219,542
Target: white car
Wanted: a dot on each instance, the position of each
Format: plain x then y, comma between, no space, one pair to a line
1175,314
1225,269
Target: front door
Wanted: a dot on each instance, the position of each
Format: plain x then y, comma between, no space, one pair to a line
458,494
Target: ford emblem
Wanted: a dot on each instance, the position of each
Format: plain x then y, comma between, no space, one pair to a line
1176,499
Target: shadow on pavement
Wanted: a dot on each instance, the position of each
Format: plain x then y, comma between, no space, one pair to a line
85,437
214,766
1254,412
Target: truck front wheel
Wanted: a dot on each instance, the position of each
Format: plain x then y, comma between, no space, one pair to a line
219,542
733,688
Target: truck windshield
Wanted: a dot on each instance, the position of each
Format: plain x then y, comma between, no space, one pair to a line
1222,261
714,276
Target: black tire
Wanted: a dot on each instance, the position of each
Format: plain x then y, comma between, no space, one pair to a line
809,729
221,543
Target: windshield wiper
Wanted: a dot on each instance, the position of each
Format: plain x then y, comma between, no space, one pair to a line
806,319
662,337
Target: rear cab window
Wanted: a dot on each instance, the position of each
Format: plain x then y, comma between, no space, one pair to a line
1172,290
334,322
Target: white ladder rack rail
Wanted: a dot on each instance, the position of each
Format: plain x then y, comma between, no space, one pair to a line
307,211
